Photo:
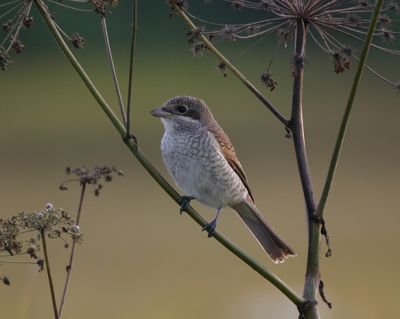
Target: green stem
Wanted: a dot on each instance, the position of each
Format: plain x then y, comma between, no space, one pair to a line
230,66
46,258
343,127
131,144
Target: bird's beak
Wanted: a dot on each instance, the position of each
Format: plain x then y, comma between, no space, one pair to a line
159,112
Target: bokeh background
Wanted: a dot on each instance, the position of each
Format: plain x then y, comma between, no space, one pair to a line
140,258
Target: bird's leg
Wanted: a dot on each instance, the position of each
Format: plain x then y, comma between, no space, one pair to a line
210,227
184,201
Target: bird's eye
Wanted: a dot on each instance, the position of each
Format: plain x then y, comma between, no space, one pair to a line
182,109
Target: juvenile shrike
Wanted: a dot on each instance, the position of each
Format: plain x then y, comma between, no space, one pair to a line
202,162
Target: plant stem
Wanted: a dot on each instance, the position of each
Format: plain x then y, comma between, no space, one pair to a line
46,258
153,172
130,86
17,261
343,127
296,125
72,255
113,72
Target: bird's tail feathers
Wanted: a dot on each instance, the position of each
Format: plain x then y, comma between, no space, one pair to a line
268,238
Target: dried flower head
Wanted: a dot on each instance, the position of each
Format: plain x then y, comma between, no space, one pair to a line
27,22
268,81
393,6
325,22
18,47
265,5
84,176
340,61
237,4
18,19
7,27
40,263
183,5
195,33
5,280
228,33
4,59
221,68
387,36
198,49
384,21
285,36
48,221
77,40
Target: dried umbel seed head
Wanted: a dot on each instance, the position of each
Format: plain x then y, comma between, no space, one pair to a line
7,26
221,68
5,280
32,252
268,81
27,22
4,60
195,33
40,263
77,40
324,22
340,61
198,49
84,176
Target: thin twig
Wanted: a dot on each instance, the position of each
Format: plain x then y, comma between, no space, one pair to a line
114,74
17,261
72,255
130,85
48,270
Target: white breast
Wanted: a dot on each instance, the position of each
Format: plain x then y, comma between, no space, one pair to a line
199,169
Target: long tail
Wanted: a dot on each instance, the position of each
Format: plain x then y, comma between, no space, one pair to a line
268,238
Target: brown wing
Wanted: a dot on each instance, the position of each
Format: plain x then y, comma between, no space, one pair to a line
229,153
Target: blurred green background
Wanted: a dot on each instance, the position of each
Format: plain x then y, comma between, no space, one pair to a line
140,258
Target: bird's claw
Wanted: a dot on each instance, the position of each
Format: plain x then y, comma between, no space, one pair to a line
184,201
210,227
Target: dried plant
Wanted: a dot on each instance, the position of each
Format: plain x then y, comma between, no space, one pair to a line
17,19
327,23
50,223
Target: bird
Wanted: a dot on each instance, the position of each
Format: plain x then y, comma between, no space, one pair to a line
201,160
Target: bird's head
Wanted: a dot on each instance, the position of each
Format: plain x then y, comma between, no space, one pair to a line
184,112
